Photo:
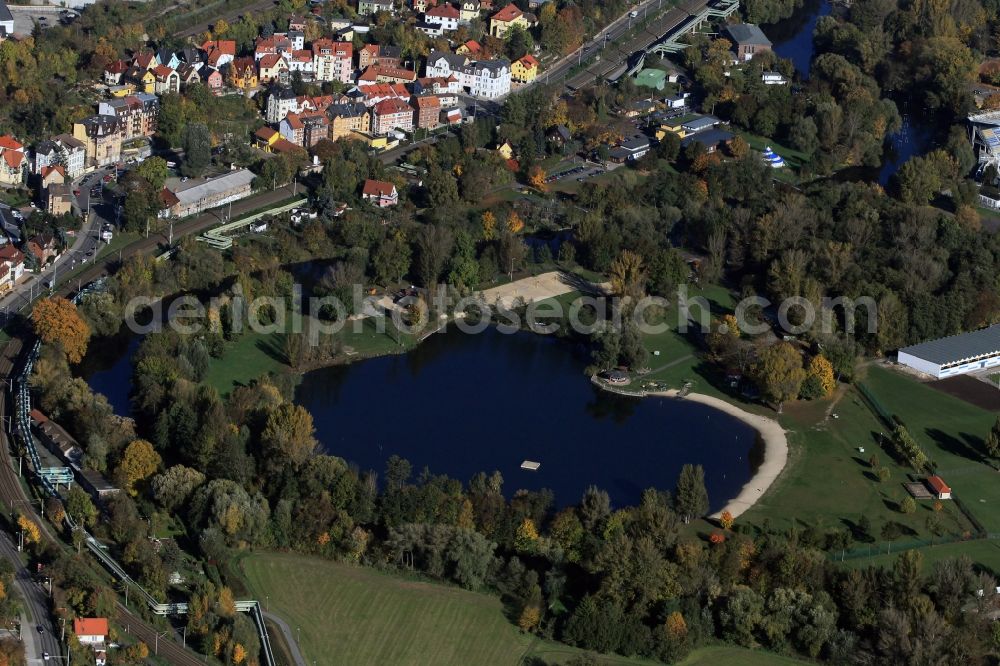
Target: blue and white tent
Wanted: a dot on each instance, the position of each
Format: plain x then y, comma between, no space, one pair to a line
772,158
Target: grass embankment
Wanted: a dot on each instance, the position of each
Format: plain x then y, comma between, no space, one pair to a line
255,354
368,617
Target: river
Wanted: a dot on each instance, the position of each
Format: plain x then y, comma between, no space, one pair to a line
792,38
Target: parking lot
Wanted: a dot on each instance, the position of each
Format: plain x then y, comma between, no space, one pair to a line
580,172
26,16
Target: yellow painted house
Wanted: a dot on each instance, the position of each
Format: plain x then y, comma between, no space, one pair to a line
524,69
505,150
243,73
148,81
265,138
507,18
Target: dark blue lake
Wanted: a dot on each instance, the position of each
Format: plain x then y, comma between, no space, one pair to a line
460,404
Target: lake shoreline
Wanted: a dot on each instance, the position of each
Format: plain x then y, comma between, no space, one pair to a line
769,430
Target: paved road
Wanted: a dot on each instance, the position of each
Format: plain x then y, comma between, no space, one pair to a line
85,244
36,608
289,638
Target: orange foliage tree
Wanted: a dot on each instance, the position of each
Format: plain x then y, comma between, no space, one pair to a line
536,178
57,322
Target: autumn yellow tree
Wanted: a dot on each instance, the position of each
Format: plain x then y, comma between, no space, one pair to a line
514,222
675,627
726,520
738,147
32,534
536,178
628,275
530,616
779,373
227,603
57,322
489,225
139,461
527,535
819,382
239,654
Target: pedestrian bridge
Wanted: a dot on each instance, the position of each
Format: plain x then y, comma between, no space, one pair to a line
672,42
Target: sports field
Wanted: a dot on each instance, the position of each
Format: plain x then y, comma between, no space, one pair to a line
829,484
950,431
985,553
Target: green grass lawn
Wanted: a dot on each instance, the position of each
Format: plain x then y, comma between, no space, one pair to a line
828,483
736,656
368,617
793,158
950,431
985,553
245,359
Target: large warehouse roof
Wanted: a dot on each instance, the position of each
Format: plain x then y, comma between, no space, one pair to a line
964,346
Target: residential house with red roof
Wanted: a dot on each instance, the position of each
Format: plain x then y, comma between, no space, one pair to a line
13,162
471,48
380,193
378,74
273,67
243,73
333,61
524,69
428,111
11,264
219,53
444,15
507,18
391,114
167,80
113,72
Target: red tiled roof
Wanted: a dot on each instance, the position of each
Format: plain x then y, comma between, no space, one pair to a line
508,13
265,133
7,142
529,60
13,158
117,67
90,626
473,46
293,121
285,146
427,102
226,46
391,106
938,485
378,188
167,200
270,60
445,11
49,169
162,71
9,253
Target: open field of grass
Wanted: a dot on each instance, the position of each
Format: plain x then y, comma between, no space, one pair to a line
368,617
247,358
950,431
736,656
828,482
984,552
